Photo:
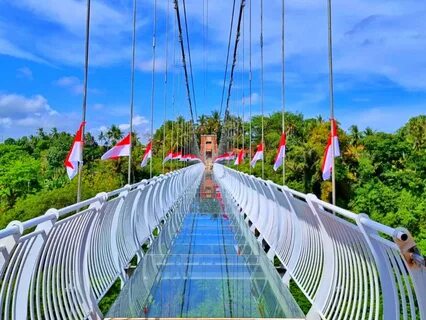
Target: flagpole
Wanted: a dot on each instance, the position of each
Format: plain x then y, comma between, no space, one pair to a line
165,82
261,85
132,92
86,69
153,82
283,76
330,64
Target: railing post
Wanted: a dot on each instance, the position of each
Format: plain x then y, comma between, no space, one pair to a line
328,281
84,276
114,243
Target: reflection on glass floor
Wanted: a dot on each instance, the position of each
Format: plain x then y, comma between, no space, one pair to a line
205,263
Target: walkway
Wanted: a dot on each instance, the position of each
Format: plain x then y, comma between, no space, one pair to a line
208,265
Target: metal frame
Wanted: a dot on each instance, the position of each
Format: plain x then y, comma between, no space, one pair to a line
61,264
347,265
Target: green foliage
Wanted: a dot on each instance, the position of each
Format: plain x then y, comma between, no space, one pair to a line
381,174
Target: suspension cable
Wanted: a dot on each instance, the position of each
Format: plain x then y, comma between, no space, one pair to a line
250,82
227,59
132,91
261,86
84,107
283,76
242,85
153,80
189,57
165,82
188,91
174,90
234,62
331,84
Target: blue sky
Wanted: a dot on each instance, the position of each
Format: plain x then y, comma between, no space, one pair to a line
379,52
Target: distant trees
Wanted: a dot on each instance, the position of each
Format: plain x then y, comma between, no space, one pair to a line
381,174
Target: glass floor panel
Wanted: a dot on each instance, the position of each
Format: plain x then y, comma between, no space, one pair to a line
213,268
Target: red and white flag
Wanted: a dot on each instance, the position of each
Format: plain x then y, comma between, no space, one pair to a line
230,156
257,156
332,143
177,156
220,157
239,160
280,152
75,155
168,157
147,155
121,149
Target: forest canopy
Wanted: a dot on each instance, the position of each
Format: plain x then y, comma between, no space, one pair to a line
380,174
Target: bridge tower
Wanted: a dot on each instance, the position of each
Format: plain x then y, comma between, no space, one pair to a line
208,148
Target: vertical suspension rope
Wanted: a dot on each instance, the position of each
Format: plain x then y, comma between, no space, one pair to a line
165,82
242,84
261,86
250,83
84,107
283,75
132,91
153,81
331,81
174,90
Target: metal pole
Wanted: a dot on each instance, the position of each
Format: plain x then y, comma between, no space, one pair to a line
261,86
86,71
165,83
250,84
283,75
153,82
330,64
132,92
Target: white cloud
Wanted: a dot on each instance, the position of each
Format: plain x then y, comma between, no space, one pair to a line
146,65
72,83
22,115
139,122
254,99
24,73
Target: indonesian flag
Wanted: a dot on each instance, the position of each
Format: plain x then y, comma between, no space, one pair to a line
257,156
327,163
75,155
177,156
168,157
281,152
239,160
147,155
230,156
220,158
183,158
121,149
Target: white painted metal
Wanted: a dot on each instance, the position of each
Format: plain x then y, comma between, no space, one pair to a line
346,264
63,268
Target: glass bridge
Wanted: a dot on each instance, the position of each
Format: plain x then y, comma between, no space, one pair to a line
205,263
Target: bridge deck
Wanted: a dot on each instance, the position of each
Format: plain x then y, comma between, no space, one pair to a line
213,268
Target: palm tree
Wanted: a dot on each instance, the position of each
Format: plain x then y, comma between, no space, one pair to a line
114,134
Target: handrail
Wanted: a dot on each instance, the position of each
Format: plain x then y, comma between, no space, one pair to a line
63,268
343,262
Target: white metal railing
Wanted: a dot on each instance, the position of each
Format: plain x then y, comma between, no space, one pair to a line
347,265
61,264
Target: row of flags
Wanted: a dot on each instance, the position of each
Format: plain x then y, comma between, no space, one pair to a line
327,163
121,149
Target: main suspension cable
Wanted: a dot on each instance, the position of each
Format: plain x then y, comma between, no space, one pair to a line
188,91
189,57
227,59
